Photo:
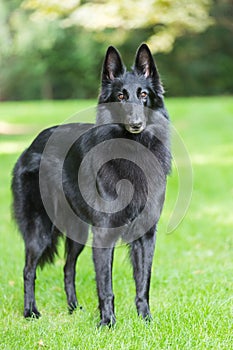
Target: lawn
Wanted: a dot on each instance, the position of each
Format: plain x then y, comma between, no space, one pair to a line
192,286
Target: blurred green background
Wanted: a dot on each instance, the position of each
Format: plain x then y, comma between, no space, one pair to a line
54,49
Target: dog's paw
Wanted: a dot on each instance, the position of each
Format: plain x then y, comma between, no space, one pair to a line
72,306
109,322
32,313
147,318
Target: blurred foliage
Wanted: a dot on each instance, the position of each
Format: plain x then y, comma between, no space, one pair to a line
44,54
169,18
202,64
43,60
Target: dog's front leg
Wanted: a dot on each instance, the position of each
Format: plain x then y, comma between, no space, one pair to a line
103,259
142,251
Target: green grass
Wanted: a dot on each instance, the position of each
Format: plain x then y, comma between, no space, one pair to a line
192,286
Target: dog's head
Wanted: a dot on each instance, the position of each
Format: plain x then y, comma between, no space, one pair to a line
127,97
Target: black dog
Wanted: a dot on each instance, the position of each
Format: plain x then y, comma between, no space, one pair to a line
77,175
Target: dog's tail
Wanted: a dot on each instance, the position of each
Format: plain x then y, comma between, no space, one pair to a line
41,237
51,249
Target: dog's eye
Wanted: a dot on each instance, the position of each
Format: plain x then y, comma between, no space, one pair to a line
121,97
143,94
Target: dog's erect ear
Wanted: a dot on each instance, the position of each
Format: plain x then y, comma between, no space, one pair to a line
144,63
113,66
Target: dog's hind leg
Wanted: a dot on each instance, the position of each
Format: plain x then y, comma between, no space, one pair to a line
37,244
32,257
73,249
142,251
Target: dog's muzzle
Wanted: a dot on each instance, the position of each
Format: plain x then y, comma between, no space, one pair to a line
135,128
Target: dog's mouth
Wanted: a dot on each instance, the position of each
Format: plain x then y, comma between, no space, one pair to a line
135,128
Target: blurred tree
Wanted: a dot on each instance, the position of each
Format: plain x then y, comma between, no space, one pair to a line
39,59
49,53
22,69
169,18
202,64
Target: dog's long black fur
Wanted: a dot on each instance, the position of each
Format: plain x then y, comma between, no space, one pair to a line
130,108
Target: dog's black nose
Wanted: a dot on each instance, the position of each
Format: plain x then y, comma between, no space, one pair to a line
135,126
